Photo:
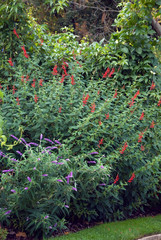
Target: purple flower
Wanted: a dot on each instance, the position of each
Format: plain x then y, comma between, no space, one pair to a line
60,163
34,168
54,162
46,217
35,144
74,189
13,159
67,159
24,140
102,184
2,154
45,175
38,159
55,224
91,162
48,140
19,152
50,227
8,212
69,176
27,218
12,190
29,179
50,147
102,167
66,206
57,142
14,137
9,170
26,188
59,180
93,153
41,136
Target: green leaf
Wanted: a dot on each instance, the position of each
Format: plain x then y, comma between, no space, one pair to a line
139,50
125,49
158,2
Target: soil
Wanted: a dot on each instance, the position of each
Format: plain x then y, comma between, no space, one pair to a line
71,228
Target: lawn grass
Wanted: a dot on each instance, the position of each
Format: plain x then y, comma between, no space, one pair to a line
122,230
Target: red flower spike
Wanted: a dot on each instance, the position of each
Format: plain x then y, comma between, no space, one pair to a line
60,110
116,179
14,31
10,62
93,106
85,99
66,64
0,86
152,86
111,73
142,116
142,148
101,141
79,64
14,90
27,78
115,95
72,80
124,148
36,98
33,84
107,116
159,102
40,82
140,137
136,94
132,177
98,92
41,42
18,101
107,71
62,79
100,122
65,71
152,124
24,51
55,72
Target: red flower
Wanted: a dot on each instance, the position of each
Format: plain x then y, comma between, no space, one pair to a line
10,62
152,124
79,64
111,73
98,92
115,95
100,142
140,137
72,80
142,116
24,51
41,42
0,86
152,86
107,116
18,101
132,177
40,82
159,102
107,71
66,64
33,84
14,89
22,78
36,98
116,179
124,148
142,148
14,30
85,99
93,106
62,79
133,98
55,72
100,122
27,78
65,71
60,110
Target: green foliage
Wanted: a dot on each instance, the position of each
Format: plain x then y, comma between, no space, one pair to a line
3,234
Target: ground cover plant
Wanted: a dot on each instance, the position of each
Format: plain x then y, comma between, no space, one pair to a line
84,120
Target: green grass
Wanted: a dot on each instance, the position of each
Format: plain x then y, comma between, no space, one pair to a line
123,230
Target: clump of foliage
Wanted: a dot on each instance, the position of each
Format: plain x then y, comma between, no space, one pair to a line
93,98
3,234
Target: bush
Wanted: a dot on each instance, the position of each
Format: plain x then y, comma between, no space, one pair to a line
3,234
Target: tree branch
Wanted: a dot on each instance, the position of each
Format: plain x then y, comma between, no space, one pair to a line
156,26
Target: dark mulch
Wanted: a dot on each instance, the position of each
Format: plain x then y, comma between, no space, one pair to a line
80,226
